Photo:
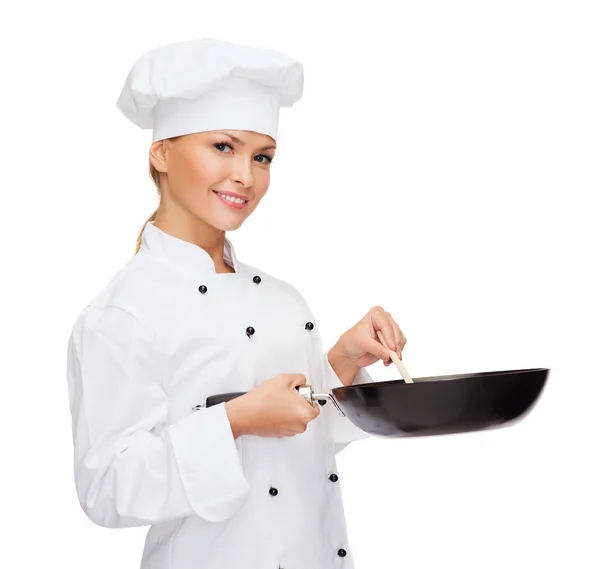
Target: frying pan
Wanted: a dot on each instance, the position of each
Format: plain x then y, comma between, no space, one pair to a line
435,405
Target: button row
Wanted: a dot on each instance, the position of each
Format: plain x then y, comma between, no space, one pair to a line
273,491
204,288
250,330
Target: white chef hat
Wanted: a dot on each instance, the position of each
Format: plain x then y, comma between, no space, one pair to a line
209,84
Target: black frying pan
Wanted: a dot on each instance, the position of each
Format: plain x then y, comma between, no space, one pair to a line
434,405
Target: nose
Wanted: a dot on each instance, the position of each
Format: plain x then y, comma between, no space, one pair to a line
243,172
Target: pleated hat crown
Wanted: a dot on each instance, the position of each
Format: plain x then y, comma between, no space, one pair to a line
210,84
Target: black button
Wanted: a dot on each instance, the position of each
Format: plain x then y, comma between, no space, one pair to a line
309,326
334,478
256,279
273,491
249,331
342,552
322,402
202,289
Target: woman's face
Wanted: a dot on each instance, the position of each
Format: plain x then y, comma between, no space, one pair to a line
201,164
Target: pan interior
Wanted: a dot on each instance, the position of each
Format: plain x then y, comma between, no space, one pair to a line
442,404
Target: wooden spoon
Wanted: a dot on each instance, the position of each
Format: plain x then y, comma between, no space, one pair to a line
395,359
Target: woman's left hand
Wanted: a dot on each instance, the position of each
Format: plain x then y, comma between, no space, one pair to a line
360,344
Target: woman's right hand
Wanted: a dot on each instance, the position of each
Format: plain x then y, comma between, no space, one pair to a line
274,408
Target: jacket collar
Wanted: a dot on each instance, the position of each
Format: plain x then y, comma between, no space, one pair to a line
180,252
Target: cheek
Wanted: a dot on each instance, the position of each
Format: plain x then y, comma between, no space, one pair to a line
260,192
195,174
262,179
203,171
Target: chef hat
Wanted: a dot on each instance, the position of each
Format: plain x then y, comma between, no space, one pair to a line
209,84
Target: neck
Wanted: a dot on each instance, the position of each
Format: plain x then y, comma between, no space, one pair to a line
196,231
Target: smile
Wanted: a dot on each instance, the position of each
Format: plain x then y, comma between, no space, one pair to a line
236,203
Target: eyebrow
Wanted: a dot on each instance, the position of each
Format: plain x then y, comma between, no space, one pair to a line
242,143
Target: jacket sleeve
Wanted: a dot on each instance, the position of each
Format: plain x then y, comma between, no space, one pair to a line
342,429
131,467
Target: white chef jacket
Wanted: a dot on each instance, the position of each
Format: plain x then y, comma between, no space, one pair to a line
166,332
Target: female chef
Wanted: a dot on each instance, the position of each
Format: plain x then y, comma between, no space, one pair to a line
247,484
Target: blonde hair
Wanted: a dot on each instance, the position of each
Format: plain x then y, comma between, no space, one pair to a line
155,175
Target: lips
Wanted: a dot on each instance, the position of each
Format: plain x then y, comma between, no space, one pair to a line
229,203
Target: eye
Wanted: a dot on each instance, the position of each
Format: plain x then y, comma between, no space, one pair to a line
222,144
269,159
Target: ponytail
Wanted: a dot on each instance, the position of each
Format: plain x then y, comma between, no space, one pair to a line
139,239
154,174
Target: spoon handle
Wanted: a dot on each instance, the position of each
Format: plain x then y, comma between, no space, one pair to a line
395,359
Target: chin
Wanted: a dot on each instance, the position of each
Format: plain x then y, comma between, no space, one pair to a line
229,224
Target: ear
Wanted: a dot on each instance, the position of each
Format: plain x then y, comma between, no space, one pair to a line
158,156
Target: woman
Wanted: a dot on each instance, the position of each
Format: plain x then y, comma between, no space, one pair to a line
247,484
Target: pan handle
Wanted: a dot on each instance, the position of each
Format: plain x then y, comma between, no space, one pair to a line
322,398
305,390
216,399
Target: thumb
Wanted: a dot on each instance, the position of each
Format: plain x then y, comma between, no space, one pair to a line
296,379
379,350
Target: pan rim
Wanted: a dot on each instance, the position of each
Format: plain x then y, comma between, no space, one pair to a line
466,376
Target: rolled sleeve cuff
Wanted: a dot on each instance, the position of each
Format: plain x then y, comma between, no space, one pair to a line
209,463
332,380
343,430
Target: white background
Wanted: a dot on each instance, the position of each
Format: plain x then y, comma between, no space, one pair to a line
443,163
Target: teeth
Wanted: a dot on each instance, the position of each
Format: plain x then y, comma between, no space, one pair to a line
232,199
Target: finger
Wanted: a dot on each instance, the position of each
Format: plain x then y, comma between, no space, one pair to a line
400,337
396,331
383,323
